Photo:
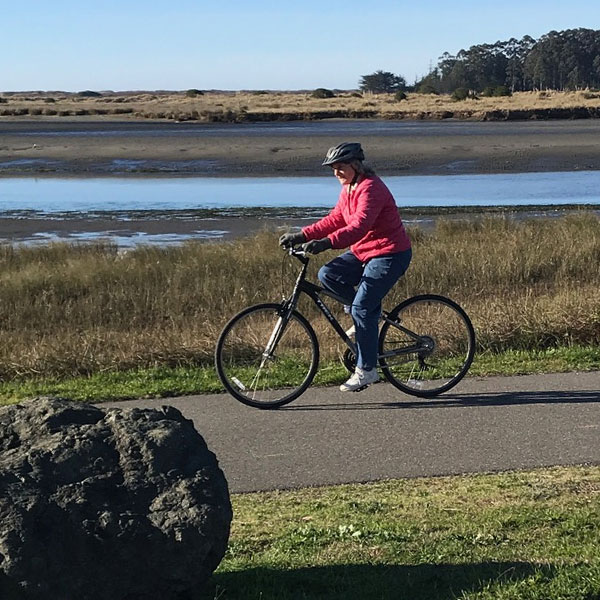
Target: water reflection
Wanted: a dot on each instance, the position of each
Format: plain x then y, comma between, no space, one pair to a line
84,195
171,210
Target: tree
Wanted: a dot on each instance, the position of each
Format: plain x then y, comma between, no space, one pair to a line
516,52
382,82
564,59
559,60
596,72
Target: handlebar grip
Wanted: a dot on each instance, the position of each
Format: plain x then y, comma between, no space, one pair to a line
298,253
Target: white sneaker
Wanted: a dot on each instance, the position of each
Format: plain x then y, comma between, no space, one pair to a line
360,380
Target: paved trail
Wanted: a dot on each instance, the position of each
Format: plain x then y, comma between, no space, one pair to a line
327,437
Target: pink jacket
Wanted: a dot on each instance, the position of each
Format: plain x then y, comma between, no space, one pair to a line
366,219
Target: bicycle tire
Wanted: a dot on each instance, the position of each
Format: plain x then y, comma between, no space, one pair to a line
443,351
266,382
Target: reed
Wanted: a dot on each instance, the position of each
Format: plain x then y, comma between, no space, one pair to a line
80,309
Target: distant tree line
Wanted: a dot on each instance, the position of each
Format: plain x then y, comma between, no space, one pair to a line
559,60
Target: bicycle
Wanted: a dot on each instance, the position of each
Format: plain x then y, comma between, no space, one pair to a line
268,354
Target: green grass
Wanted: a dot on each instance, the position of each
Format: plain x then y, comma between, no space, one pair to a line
162,382
533,535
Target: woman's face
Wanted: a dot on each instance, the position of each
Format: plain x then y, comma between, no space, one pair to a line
344,172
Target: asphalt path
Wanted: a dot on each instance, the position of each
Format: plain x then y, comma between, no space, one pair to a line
328,437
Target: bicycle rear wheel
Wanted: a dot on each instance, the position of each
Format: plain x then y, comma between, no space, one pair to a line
429,346
265,360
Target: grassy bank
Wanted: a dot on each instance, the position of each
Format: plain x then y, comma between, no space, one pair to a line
532,535
68,311
166,382
243,106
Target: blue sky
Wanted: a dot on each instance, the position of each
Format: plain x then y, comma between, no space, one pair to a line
134,45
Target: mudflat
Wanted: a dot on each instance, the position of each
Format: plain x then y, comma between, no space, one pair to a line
95,147
89,146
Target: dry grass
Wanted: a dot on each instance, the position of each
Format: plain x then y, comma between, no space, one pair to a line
243,105
67,310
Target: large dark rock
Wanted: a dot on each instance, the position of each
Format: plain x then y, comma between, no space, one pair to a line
107,504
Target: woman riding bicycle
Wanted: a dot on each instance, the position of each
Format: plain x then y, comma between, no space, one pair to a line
366,220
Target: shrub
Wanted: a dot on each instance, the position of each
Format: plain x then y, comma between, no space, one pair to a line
427,88
193,93
49,100
322,93
496,91
3,100
502,90
462,94
89,94
399,96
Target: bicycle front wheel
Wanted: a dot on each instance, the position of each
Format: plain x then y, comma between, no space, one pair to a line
264,359
428,346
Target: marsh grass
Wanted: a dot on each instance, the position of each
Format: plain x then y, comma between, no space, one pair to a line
527,535
69,310
250,106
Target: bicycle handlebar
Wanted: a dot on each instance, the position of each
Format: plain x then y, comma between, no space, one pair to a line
298,252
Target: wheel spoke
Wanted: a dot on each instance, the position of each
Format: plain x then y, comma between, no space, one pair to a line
274,359
431,350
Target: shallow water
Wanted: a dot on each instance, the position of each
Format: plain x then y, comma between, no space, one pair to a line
83,195
214,208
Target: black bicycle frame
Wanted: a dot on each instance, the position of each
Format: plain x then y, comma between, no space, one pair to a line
315,291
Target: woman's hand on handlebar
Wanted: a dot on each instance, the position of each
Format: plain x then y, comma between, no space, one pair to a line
287,240
317,246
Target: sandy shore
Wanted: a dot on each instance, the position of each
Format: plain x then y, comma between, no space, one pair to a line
86,147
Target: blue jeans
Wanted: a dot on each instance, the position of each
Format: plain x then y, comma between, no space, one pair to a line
364,285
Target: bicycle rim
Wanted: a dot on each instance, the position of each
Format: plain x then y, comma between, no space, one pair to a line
432,347
264,361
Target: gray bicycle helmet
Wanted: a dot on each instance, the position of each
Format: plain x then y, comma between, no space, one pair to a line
345,152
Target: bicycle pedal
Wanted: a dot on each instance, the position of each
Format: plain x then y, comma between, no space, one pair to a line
360,389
